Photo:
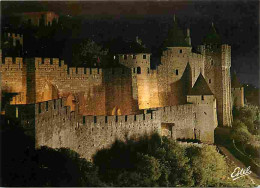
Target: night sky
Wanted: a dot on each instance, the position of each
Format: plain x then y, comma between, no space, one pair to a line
236,21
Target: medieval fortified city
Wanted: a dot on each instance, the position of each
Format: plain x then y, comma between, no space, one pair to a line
148,93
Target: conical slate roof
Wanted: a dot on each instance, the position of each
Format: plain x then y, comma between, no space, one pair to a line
212,37
176,37
200,87
129,47
235,82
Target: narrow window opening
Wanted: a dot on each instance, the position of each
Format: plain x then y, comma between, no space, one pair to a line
210,81
84,120
144,56
106,119
95,119
180,51
40,108
138,70
125,57
47,106
177,72
202,97
134,56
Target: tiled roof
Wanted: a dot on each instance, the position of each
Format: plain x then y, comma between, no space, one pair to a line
200,87
176,37
212,37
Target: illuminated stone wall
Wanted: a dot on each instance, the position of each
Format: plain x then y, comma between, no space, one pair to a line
122,91
13,80
178,63
87,134
55,125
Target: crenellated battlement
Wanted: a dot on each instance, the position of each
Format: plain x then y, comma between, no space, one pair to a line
51,106
47,62
84,71
177,108
52,110
55,64
225,47
109,120
10,63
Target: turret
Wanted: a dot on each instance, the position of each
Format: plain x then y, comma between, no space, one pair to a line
177,40
200,92
135,55
237,91
217,72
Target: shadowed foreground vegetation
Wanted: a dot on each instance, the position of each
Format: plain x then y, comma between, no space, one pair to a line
246,130
150,161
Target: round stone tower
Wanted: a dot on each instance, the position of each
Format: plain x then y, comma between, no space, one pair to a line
135,55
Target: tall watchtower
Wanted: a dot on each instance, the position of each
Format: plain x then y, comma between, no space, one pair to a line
179,67
217,73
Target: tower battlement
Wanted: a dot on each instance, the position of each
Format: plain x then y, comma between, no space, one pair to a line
12,62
